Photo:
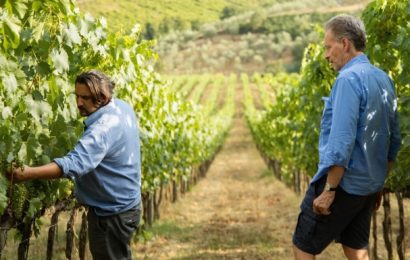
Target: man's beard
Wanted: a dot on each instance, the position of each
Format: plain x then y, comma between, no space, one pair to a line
83,111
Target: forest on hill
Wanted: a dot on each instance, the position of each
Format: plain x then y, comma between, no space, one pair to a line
166,14
225,36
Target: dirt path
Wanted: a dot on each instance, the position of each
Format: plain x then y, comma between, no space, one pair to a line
239,211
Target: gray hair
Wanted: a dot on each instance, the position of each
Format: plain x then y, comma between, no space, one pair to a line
350,27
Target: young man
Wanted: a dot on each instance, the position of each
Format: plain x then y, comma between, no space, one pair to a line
105,166
359,140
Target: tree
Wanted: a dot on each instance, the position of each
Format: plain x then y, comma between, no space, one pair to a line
149,32
227,12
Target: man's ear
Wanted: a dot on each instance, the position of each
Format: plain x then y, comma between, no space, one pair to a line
347,44
103,100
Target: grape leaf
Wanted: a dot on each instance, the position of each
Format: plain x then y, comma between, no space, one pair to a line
60,60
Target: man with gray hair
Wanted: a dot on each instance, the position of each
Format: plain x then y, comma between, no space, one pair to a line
359,141
105,166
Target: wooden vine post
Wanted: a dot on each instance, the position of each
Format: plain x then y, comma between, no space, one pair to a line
83,235
401,235
70,234
387,225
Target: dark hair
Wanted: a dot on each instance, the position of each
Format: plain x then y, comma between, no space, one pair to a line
350,27
100,85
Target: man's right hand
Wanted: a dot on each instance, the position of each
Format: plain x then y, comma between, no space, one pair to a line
17,174
27,173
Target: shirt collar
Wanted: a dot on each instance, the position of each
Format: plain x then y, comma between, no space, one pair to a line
361,58
97,114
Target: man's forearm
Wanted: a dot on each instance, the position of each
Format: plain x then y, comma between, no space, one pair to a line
45,172
334,175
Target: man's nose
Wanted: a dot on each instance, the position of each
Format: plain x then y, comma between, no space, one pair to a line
79,101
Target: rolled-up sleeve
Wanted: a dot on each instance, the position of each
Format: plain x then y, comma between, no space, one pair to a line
86,155
345,105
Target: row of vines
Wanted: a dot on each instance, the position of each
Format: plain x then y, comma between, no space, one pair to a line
44,45
287,132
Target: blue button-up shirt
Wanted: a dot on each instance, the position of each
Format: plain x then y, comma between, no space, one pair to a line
359,128
105,163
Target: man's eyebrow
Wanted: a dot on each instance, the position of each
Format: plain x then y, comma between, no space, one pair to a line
83,96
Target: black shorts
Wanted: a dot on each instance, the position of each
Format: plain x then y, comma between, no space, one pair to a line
349,222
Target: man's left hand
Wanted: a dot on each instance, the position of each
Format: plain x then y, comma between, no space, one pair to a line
321,205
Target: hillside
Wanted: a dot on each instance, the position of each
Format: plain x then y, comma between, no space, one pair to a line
255,36
123,14
270,39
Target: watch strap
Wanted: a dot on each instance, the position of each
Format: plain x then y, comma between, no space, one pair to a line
329,188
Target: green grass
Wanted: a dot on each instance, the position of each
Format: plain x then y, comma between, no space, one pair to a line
123,14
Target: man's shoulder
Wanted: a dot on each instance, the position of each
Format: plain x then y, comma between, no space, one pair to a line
123,109
121,103
110,113
361,70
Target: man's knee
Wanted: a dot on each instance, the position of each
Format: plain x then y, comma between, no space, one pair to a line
301,255
356,254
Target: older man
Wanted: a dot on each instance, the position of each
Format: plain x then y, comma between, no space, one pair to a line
359,140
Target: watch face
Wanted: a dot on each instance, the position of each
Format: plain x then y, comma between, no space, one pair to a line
328,188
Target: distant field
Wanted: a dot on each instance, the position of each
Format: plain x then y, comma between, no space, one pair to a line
123,14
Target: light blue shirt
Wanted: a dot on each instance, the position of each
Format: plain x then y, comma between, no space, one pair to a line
359,129
105,163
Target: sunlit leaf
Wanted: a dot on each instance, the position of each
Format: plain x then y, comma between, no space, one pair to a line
60,60
12,30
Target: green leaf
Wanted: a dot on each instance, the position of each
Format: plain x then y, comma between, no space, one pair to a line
44,108
44,159
10,83
10,157
43,68
35,205
71,35
65,7
3,192
11,31
33,148
20,8
38,109
36,5
60,60
22,154
38,31
6,113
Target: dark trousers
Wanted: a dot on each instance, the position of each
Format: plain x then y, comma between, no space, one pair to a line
110,236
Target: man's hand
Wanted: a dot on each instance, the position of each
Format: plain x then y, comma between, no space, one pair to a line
17,174
321,205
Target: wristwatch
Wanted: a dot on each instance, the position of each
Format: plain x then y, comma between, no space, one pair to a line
329,188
